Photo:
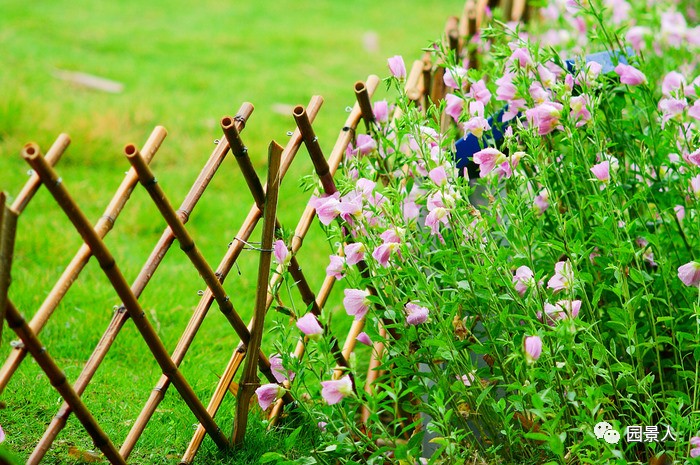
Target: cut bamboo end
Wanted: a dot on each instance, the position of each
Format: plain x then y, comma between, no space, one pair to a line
364,102
131,151
31,151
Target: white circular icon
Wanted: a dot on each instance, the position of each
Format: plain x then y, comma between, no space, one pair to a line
604,430
600,428
611,436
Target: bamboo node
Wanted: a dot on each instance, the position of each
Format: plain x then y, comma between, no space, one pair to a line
240,119
108,218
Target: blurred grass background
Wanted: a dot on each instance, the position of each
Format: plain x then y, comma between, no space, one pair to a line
183,65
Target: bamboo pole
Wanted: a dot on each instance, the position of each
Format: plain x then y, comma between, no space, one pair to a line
249,379
365,105
8,230
452,34
373,371
148,180
70,274
336,156
312,146
507,7
414,83
58,380
120,316
53,156
225,265
115,276
518,10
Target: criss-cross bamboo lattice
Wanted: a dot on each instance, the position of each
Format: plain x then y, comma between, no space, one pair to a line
424,85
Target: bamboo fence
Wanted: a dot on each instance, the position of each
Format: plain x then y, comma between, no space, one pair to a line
424,85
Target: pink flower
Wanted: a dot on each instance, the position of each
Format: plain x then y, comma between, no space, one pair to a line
454,77
630,75
602,171
416,314
356,303
363,338
488,159
438,176
545,117
506,89
454,106
327,208
365,144
695,452
695,185
381,111
382,253
309,325
354,253
2,434
694,111
480,92
267,394
563,277
635,36
477,125
277,369
281,252
533,348
694,158
673,27
542,201
397,67
671,108
690,274
680,212
672,82
334,391
521,56
523,279
438,215
562,310
336,267
579,110
589,75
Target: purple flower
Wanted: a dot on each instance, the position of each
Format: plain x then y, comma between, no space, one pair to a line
356,303
480,92
672,82
336,267
281,252
488,159
309,325
267,394
453,77
334,391
363,338
630,75
354,253
690,274
545,117
602,171
416,314
397,66
563,277
523,279
381,111
454,106
533,348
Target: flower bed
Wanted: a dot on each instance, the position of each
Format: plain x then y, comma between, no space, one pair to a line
548,310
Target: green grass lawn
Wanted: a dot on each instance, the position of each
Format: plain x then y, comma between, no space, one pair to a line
184,65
